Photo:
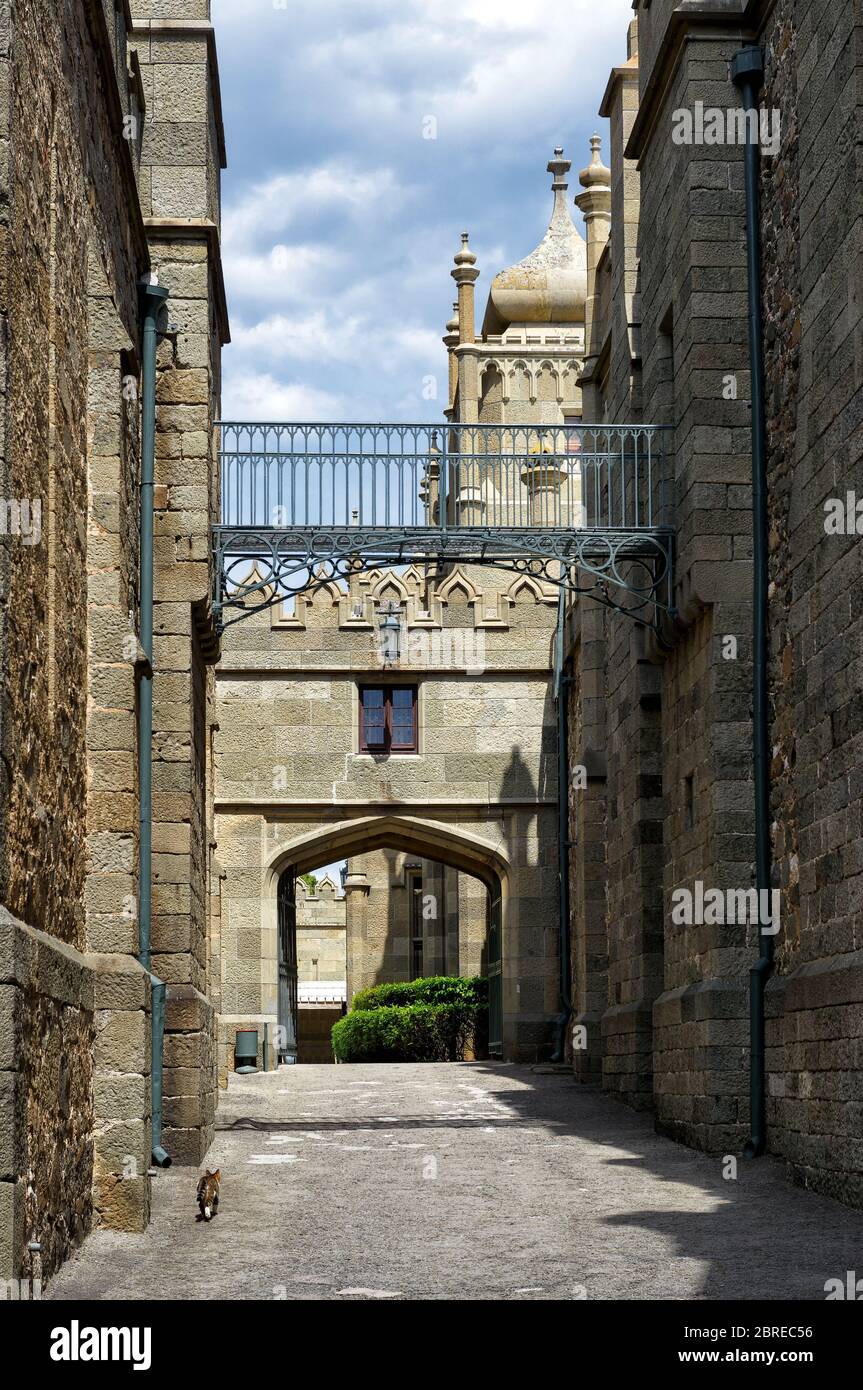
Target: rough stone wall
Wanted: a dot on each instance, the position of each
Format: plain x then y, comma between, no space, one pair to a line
812,269
634,859
75,1136
181,158
46,1097
62,156
693,296
73,248
632,817
620,898
679,800
693,332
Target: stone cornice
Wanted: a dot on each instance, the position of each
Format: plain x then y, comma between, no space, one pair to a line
366,673
310,807
197,229
626,72
684,24
191,28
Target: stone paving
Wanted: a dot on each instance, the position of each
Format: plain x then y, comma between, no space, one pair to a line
467,1181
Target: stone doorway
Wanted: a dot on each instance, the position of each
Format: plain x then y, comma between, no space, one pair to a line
414,897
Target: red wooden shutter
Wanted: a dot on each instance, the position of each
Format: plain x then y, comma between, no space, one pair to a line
373,732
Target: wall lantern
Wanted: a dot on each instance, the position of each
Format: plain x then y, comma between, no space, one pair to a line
390,628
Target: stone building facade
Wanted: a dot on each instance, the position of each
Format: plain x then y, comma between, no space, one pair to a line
111,121
467,816
321,928
294,790
664,727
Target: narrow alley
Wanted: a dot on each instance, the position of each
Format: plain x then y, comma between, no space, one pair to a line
465,1181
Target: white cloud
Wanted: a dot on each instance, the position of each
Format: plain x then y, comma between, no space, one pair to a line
270,207
316,336
252,395
341,221
284,274
325,337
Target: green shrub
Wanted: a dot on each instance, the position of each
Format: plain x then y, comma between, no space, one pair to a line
433,989
428,1020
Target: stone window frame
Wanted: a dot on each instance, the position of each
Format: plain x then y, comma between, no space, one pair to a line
386,749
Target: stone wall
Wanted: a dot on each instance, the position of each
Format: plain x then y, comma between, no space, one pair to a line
76,1025
66,208
676,804
288,761
811,257
182,155
72,252
686,720
46,1097
588,810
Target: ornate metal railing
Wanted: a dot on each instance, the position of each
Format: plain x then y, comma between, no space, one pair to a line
310,502
419,475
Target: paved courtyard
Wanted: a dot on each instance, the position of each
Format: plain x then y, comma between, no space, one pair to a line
463,1181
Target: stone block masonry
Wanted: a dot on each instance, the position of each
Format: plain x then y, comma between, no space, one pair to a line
686,325
74,1095
288,762
96,112
72,250
180,168
810,227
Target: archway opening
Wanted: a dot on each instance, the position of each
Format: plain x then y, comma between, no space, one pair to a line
386,914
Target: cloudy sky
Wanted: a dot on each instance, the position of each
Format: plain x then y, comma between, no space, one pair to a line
341,216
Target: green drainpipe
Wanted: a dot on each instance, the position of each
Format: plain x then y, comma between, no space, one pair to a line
153,297
747,74
560,689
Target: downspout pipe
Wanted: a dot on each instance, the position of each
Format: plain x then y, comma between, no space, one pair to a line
747,74
153,297
560,690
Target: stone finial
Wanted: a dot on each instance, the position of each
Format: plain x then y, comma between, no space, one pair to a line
596,174
559,167
465,263
452,325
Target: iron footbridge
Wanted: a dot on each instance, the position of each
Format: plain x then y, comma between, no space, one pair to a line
582,507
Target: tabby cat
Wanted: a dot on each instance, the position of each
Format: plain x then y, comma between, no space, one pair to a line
208,1194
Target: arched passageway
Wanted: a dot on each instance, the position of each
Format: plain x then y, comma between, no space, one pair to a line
256,925
406,909
381,917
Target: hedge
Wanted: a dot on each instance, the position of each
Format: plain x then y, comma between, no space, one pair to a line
428,1020
433,989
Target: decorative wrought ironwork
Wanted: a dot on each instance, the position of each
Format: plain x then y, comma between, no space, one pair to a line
577,506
